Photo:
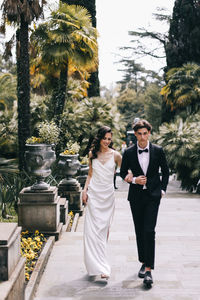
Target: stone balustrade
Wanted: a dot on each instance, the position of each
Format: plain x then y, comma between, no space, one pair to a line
12,265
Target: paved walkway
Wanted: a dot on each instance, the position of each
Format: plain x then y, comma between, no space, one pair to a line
177,272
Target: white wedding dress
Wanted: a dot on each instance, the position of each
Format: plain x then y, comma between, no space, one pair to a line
98,216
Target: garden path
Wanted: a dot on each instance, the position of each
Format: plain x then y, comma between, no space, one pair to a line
177,272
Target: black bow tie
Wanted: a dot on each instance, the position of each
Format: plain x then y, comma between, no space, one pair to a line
145,150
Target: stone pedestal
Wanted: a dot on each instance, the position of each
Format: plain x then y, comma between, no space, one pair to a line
82,180
63,210
40,210
12,265
72,192
9,249
82,174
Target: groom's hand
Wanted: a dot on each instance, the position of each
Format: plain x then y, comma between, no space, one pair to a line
142,180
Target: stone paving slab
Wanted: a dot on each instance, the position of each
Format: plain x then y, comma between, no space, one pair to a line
177,271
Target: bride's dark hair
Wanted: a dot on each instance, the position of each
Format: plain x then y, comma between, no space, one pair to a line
96,142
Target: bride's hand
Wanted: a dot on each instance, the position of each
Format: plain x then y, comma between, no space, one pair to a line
84,197
129,177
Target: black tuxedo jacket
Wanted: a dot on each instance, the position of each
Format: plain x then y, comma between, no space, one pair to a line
157,161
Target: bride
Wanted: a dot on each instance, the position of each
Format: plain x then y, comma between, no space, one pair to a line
98,196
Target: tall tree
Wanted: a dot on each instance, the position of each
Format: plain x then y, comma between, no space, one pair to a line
132,75
153,105
140,38
68,36
90,5
22,13
184,34
130,105
135,76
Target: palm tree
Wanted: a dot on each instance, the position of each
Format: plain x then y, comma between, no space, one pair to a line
67,37
22,13
182,91
90,5
181,143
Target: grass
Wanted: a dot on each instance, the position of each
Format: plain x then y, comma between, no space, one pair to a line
13,217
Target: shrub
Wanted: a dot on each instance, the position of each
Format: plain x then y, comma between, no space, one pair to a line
181,142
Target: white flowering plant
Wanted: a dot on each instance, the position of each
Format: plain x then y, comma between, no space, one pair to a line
48,134
71,149
84,160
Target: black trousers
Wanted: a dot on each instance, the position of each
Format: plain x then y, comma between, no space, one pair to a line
144,210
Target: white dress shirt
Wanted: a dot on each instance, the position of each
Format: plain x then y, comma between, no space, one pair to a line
143,158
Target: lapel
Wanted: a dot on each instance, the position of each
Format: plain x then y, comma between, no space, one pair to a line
151,155
136,161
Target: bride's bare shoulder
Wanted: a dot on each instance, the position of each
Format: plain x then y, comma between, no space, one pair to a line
117,156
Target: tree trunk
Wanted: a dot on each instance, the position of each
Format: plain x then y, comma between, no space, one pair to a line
94,90
54,82
90,5
60,98
23,90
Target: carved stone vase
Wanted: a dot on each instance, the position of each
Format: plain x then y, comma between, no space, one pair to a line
68,166
39,158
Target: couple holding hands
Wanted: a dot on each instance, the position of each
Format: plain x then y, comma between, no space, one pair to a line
140,167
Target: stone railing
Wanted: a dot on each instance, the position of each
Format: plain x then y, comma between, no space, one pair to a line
12,265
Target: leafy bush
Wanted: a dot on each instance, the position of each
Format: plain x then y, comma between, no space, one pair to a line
81,120
11,184
48,133
181,142
8,129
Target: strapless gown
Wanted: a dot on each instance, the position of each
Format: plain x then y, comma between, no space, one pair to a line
98,216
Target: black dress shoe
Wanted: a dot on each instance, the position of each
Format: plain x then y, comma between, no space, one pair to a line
148,280
141,273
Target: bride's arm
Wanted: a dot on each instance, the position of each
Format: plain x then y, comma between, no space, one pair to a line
118,159
84,192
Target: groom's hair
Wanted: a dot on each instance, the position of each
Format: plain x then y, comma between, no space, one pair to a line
142,124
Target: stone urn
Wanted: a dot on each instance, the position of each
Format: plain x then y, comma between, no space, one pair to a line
82,174
84,170
68,165
39,158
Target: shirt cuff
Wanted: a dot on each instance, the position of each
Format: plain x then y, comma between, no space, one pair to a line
133,180
163,192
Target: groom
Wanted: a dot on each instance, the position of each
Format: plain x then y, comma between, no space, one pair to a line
140,167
